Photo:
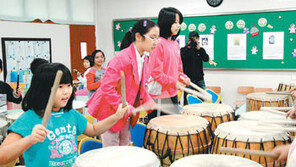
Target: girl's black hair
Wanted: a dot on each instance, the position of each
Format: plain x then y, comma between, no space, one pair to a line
166,18
142,26
93,55
41,84
90,59
36,63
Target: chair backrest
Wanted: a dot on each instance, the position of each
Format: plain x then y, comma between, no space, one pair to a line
90,119
215,97
245,89
137,134
88,144
193,99
263,89
216,89
179,94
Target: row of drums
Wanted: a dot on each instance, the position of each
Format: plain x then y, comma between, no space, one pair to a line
204,128
194,137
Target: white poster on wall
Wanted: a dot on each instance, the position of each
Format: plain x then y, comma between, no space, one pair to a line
207,42
181,40
236,47
273,45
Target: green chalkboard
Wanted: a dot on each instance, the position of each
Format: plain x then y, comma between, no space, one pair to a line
279,21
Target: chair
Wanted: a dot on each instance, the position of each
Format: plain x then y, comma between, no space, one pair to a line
215,97
263,89
193,99
137,134
216,89
243,90
88,144
89,119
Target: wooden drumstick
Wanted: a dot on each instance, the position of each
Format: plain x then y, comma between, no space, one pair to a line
51,97
279,93
18,76
249,152
206,96
270,128
195,93
272,111
123,94
280,108
162,107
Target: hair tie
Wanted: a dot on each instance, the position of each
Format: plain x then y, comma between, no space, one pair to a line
130,29
145,23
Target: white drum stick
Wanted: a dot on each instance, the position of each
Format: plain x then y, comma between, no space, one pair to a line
205,93
123,95
280,108
273,111
249,152
51,97
195,93
283,122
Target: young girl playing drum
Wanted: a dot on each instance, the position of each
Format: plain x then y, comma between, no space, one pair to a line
133,61
55,144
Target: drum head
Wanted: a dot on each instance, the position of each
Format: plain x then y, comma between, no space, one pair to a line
14,114
266,97
78,104
207,109
212,160
250,131
117,156
178,124
3,123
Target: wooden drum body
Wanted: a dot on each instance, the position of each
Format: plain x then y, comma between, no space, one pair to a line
257,100
242,134
172,137
214,160
214,113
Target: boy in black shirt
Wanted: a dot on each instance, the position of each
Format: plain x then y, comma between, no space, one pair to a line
193,56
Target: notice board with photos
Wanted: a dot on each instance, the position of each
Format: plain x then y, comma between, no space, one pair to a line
18,53
261,40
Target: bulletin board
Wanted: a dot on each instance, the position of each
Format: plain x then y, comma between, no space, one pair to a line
25,50
261,31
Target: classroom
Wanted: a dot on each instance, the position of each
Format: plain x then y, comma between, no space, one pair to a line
147,83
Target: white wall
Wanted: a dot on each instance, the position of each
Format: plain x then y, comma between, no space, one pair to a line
59,34
228,80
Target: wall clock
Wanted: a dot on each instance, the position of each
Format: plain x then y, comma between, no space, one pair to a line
214,3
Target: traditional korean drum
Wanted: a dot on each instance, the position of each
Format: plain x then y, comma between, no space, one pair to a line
243,134
78,105
117,156
257,100
214,113
3,126
12,115
172,137
214,160
266,116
